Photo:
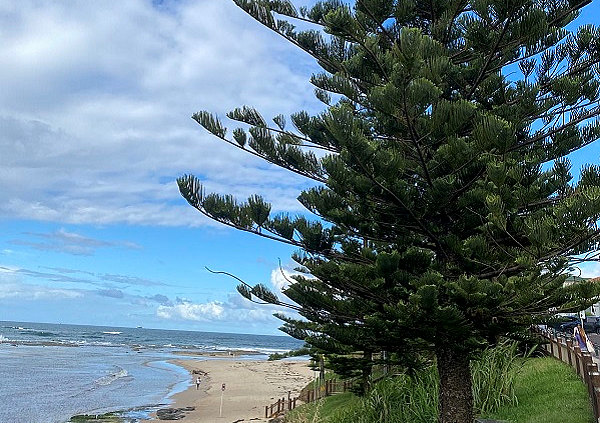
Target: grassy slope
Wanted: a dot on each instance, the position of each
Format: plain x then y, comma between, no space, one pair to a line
321,411
548,391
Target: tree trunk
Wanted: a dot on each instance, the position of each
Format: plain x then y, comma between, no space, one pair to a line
456,392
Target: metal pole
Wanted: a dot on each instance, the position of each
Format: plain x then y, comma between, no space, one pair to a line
221,406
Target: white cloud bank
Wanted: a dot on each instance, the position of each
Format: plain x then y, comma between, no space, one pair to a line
96,99
235,309
12,287
214,311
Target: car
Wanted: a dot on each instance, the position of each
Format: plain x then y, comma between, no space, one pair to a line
592,324
567,323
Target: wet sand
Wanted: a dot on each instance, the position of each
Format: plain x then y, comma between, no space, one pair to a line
250,385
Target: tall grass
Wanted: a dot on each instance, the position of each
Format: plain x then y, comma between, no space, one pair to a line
493,378
404,399
398,399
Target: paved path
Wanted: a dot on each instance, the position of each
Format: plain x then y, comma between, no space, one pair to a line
595,338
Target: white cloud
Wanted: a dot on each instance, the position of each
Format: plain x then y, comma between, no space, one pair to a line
68,242
96,99
281,279
12,287
214,311
188,311
588,270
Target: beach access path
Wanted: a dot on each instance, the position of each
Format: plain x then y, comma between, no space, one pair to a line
250,385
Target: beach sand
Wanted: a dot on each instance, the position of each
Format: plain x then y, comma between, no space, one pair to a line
250,385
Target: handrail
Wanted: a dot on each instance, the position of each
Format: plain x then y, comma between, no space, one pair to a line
325,389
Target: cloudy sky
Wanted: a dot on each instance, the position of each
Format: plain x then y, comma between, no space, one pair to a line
96,101
95,107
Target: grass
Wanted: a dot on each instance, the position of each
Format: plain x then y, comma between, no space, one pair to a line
548,391
319,411
493,377
395,400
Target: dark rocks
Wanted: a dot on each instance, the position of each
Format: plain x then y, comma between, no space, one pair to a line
173,413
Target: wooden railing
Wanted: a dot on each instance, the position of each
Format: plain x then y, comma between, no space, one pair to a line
280,406
562,347
307,395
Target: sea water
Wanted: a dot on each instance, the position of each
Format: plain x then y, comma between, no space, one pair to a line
49,372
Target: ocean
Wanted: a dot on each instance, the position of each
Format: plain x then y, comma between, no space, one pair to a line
50,372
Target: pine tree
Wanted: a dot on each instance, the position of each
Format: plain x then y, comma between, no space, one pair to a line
445,203
340,325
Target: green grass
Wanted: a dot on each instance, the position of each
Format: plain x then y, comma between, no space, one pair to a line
321,410
548,391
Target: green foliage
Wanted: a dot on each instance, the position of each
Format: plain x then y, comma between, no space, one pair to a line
493,376
403,398
295,353
547,391
320,411
445,211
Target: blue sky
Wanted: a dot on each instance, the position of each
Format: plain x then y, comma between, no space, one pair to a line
95,107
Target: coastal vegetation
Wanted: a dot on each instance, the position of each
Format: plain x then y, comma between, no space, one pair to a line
441,211
544,390
547,391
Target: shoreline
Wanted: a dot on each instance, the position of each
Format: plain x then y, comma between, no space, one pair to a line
250,385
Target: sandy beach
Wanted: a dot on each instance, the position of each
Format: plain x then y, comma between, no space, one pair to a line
250,385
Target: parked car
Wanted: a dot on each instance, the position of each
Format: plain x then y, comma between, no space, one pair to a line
567,323
592,324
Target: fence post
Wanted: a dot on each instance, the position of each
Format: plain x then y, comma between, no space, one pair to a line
266,411
595,380
591,368
560,349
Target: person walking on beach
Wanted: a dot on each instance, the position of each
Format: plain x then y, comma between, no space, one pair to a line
198,383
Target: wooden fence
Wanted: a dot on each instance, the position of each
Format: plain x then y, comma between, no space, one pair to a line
564,348
307,395
280,406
